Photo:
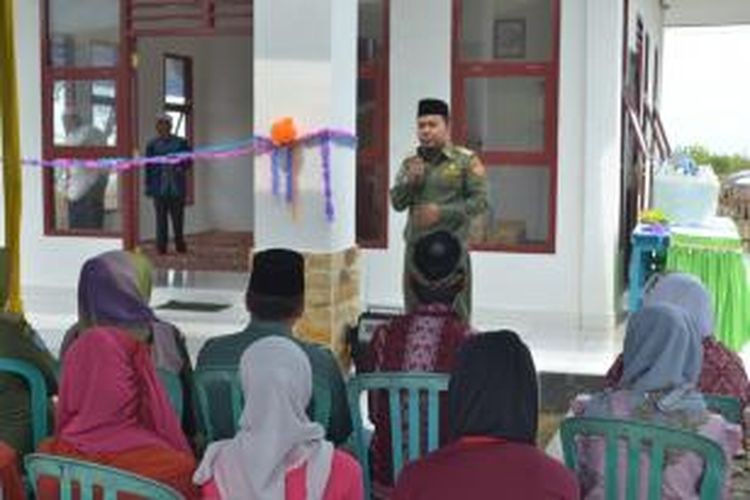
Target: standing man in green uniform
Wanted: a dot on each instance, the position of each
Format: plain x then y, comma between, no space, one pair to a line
443,187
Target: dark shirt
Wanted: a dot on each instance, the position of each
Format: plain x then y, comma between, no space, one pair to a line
166,180
227,351
488,470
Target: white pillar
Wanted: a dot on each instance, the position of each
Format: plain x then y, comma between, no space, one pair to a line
305,67
601,191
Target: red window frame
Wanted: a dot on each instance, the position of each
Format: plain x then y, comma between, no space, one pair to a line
120,75
186,109
548,157
376,156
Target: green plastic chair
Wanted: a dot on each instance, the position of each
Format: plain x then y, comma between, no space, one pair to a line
207,379
727,406
173,386
641,437
38,395
397,383
88,475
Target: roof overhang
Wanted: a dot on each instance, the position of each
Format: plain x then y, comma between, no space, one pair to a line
706,12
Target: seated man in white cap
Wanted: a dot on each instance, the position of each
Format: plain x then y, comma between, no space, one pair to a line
83,188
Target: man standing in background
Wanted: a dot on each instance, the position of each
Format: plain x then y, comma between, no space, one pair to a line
167,184
443,187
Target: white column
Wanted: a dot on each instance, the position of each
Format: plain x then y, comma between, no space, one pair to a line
600,290
305,68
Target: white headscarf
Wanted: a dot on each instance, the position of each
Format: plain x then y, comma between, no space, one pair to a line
275,434
684,291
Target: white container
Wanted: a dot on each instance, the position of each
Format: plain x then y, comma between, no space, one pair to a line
686,199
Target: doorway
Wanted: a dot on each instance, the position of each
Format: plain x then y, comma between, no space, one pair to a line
197,68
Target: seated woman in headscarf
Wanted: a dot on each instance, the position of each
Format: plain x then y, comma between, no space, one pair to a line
114,290
19,341
113,410
426,340
494,406
278,453
661,366
723,371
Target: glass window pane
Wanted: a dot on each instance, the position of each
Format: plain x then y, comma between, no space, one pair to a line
366,112
519,207
517,30
370,34
84,32
179,123
84,113
505,114
371,207
174,81
87,199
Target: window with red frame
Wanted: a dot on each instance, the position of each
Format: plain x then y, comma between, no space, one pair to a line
82,78
505,91
372,124
177,102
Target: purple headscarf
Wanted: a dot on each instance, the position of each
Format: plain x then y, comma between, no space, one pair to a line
114,289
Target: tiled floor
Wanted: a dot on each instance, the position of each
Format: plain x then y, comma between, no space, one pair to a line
556,348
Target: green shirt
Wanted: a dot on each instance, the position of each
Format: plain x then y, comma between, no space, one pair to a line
227,351
455,181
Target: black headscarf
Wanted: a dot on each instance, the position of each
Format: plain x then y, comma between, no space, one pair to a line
493,389
436,255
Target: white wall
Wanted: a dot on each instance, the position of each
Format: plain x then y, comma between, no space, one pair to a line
305,68
49,261
707,12
222,92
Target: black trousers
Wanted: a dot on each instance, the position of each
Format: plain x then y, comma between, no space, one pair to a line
174,208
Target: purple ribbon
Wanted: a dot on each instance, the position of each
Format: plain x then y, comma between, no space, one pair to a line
257,145
275,171
289,174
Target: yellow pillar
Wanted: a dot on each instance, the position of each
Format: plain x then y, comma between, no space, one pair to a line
11,154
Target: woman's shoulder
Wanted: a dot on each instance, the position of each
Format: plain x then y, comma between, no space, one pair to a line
345,481
344,464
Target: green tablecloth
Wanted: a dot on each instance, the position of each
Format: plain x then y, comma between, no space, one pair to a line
713,252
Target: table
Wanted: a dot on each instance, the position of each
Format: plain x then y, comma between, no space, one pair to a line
712,251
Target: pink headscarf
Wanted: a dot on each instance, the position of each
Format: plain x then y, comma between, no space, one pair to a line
111,399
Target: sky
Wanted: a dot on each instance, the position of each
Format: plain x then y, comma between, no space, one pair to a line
706,89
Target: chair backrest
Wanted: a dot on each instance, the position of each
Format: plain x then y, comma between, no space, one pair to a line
643,438
210,381
173,386
413,384
37,394
727,406
87,475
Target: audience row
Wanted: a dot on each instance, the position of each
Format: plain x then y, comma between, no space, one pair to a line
112,408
